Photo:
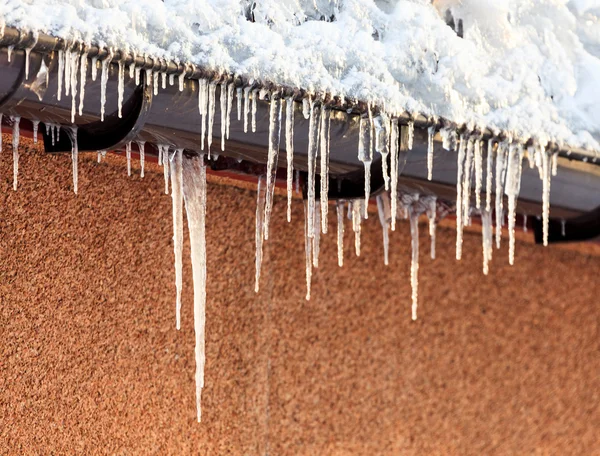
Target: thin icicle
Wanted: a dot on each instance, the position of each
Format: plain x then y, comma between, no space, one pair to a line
67,58
9,52
172,79
36,124
103,82
274,137
194,190
203,108
27,53
382,146
411,134
223,109
230,88
83,63
297,182
181,80
462,152
61,72
316,240
524,223
414,262
365,155
307,250
177,197
137,73
383,209
554,163
128,156
155,81
120,88
259,231
94,67
340,232
163,80
74,157
166,166
488,176
431,217
74,67
478,173
239,96
324,194
468,173
563,227
254,107
486,239
546,181
15,144
512,188
356,224
313,147
394,137
212,94
246,107
141,148
289,148
500,172
430,135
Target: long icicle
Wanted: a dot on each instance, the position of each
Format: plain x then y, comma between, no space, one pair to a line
478,172
365,155
289,149
74,67
246,107
462,152
120,88
324,194
212,93
194,190
128,157
74,157
500,172
230,88
414,262
15,144
430,135
383,209
546,184
356,224
340,232
273,155
394,138
165,164
513,185
488,176
177,197
307,250
223,109
141,148
103,82
61,72
431,216
316,240
486,239
203,108
259,233
83,64
313,146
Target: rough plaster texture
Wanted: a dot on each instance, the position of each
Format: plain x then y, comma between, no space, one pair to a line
91,363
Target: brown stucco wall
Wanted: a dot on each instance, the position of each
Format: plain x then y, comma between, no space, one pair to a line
91,363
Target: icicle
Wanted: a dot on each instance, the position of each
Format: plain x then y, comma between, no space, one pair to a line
9,52
82,79
316,240
382,134
203,108
74,67
141,147
137,72
181,82
414,263
67,58
430,135
177,197
289,148
500,171
223,109
383,209
563,227
212,94
246,107
15,144
488,176
230,88
411,134
546,181
555,164
61,72
94,67
274,136
478,173
468,172
431,217
486,239
128,156
103,82
239,95
57,132
297,181
74,157
324,194
171,79
254,107
524,223
194,190
35,123
365,155
340,232
51,133
512,188
27,53
459,194
120,88
313,147
166,166
394,137
155,81
307,250
356,224
101,154
306,105
163,80
259,232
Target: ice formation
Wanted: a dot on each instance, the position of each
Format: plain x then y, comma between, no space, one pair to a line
274,136
259,234
176,171
289,149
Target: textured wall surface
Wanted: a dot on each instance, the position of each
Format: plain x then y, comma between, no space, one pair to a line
91,363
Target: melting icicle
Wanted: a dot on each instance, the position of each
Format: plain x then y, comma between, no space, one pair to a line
101,153
431,217
203,108
512,188
15,144
478,173
307,250
177,197
128,156
223,109
486,239
165,149
239,94
316,240
324,194
524,223
306,105
194,190
468,172
414,262
340,232
383,209
141,147
382,133
488,176
9,52
171,79
74,157
394,137
313,146
61,72
411,134
82,79
230,88
365,155
563,227
254,107
356,224
154,81
289,148
94,67
27,53
67,58
137,73
274,136
259,233
212,93
459,194
430,135
500,172
163,80
246,107
297,182
120,88
555,164
103,82
74,67
546,181
36,124
181,82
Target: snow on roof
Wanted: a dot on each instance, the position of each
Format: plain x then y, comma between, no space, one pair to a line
528,67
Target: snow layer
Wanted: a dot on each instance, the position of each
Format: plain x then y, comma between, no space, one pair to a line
531,67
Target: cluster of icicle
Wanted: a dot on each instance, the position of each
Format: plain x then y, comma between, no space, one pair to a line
378,133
